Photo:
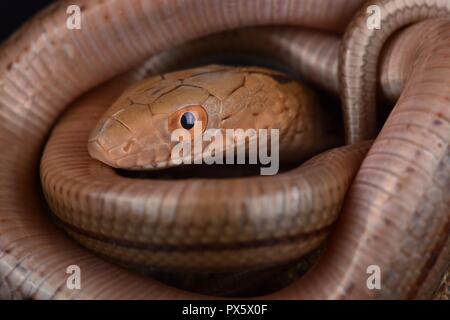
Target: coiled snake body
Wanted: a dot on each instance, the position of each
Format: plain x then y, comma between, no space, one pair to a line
396,212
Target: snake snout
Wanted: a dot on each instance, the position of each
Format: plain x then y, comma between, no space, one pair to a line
97,152
111,142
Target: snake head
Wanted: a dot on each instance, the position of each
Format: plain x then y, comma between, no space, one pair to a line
136,132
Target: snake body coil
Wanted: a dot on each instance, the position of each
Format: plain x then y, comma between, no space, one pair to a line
194,224
396,212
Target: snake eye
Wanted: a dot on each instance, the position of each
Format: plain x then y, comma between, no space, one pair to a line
187,120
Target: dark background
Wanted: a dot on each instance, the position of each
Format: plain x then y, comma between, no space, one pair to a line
13,13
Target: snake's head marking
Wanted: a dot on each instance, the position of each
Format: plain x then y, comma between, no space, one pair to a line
135,132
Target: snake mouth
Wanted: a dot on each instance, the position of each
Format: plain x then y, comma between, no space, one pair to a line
96,151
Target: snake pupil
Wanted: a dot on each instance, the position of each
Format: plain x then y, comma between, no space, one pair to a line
187,120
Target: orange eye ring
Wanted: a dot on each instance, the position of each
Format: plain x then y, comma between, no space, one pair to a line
189,118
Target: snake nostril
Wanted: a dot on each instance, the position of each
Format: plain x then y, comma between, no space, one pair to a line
127,147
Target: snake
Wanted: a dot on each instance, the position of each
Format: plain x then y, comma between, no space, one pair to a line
396,209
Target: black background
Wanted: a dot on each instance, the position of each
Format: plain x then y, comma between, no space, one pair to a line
298,310
13,13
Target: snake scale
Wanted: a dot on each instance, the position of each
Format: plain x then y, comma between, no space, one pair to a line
396,212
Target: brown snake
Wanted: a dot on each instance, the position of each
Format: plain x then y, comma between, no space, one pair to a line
396,212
